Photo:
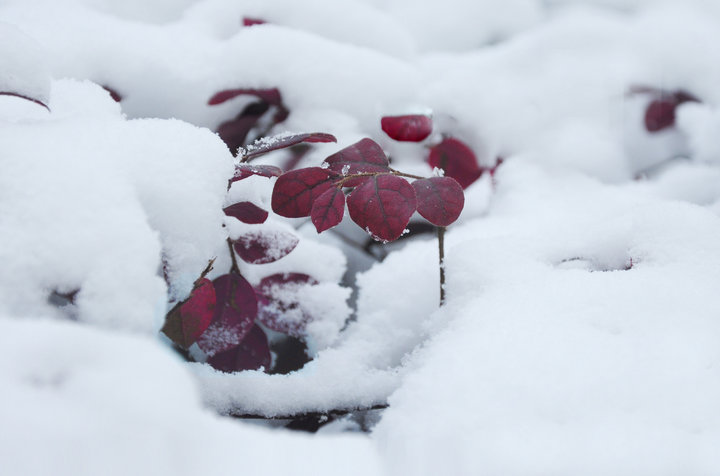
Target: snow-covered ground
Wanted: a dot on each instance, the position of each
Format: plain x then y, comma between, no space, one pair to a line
581,331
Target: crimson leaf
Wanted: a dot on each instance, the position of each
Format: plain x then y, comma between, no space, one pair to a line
365,156
249,21
234,314
251,354
410,128
246,212
440,199
269,144
185,323
279,302
295,191
382,206
271,95
660,114
243,171
27,98
328,209
116,96
457,160
260,247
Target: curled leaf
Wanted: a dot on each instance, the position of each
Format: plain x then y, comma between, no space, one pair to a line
382,206
409,128
328,209
246,212
279,302
234,315
282,141
27,98
252,353
295,191
440,199
261,247
185,323
457,160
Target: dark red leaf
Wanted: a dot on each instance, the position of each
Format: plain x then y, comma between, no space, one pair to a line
113,93
271,95
27,98
660,114
362,157
186,322
248,21
235,131
410,128
295,191
440,199
260,247
243,171
328,209
382,206
252,353
279,302
246,212
457,160
269,144
234,315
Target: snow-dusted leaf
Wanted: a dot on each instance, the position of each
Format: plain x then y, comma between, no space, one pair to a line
246,212
234,315
295,191
382,206
440,199
270,95
457,160
252,353
328,209
186,323
243,171
410,128
260,247
279,304
282,141
362,157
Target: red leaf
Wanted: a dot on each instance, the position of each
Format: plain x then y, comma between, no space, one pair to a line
660,114
246,212
270,95
243,171
234,315
295,191
248,21
113,93
268,144
27,98
362,157
382,206
440,199
410,128
264,247
252,353
279,303
235,131
328,209
457,160
185,323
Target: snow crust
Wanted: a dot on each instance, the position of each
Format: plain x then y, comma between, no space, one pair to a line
581,330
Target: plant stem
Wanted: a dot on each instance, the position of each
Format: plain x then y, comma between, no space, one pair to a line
441,253
234,268
403,174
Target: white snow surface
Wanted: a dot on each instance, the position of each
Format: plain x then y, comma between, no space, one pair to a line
582,318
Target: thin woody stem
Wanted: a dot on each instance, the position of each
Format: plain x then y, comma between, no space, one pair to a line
234,268
340,183
441,253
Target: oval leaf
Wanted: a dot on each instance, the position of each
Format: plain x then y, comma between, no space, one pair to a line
234,315
660,114
246,212
244,171
279,302
365,156
249,21
252,353
282,141
328,209
185,323
440,199
410,128
457,160
264,247
382,206
295,191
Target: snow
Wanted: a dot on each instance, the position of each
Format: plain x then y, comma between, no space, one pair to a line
580,330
